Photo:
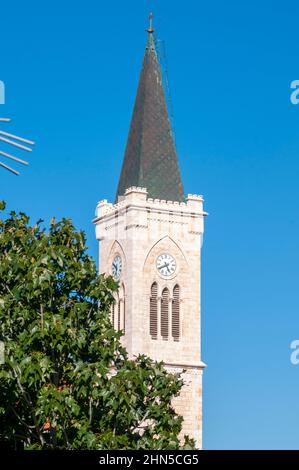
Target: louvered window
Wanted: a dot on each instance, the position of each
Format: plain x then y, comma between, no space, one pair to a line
176,313
154,311
164,313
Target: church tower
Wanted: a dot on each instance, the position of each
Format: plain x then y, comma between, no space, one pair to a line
150,240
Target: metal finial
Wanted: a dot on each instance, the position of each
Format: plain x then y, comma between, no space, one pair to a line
150,29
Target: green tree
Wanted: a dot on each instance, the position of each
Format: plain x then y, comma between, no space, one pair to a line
67,382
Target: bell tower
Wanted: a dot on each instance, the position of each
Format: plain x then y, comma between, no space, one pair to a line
150,240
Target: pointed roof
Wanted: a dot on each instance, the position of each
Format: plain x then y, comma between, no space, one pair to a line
150,158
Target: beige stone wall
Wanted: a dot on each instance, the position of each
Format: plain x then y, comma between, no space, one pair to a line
189,404
139,229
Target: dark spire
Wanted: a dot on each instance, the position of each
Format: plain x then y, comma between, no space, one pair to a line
150,159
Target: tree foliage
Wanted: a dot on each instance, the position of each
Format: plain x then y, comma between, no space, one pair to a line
67,382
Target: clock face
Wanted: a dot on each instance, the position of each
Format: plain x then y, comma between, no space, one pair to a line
166,264
116,267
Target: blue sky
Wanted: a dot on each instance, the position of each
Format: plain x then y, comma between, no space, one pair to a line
71,71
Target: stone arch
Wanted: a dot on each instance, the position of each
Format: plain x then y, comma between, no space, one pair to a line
116,248
171,242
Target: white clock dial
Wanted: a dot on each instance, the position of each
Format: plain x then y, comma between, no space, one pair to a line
116,267
166,264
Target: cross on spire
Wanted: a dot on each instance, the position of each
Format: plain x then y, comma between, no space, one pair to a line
150,29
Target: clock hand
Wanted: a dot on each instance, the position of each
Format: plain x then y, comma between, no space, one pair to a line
164,266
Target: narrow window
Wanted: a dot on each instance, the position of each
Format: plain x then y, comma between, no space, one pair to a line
176,313
154,311
113,314
118,315
124,315
164,313
121,309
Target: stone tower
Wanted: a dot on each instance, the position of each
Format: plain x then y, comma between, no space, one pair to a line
150,241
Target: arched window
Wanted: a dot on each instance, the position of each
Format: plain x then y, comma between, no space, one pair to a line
118,310
154,311
176,313
164,313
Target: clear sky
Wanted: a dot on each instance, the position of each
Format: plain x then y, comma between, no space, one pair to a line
71,70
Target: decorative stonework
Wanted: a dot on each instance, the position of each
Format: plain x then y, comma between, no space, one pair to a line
133,229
